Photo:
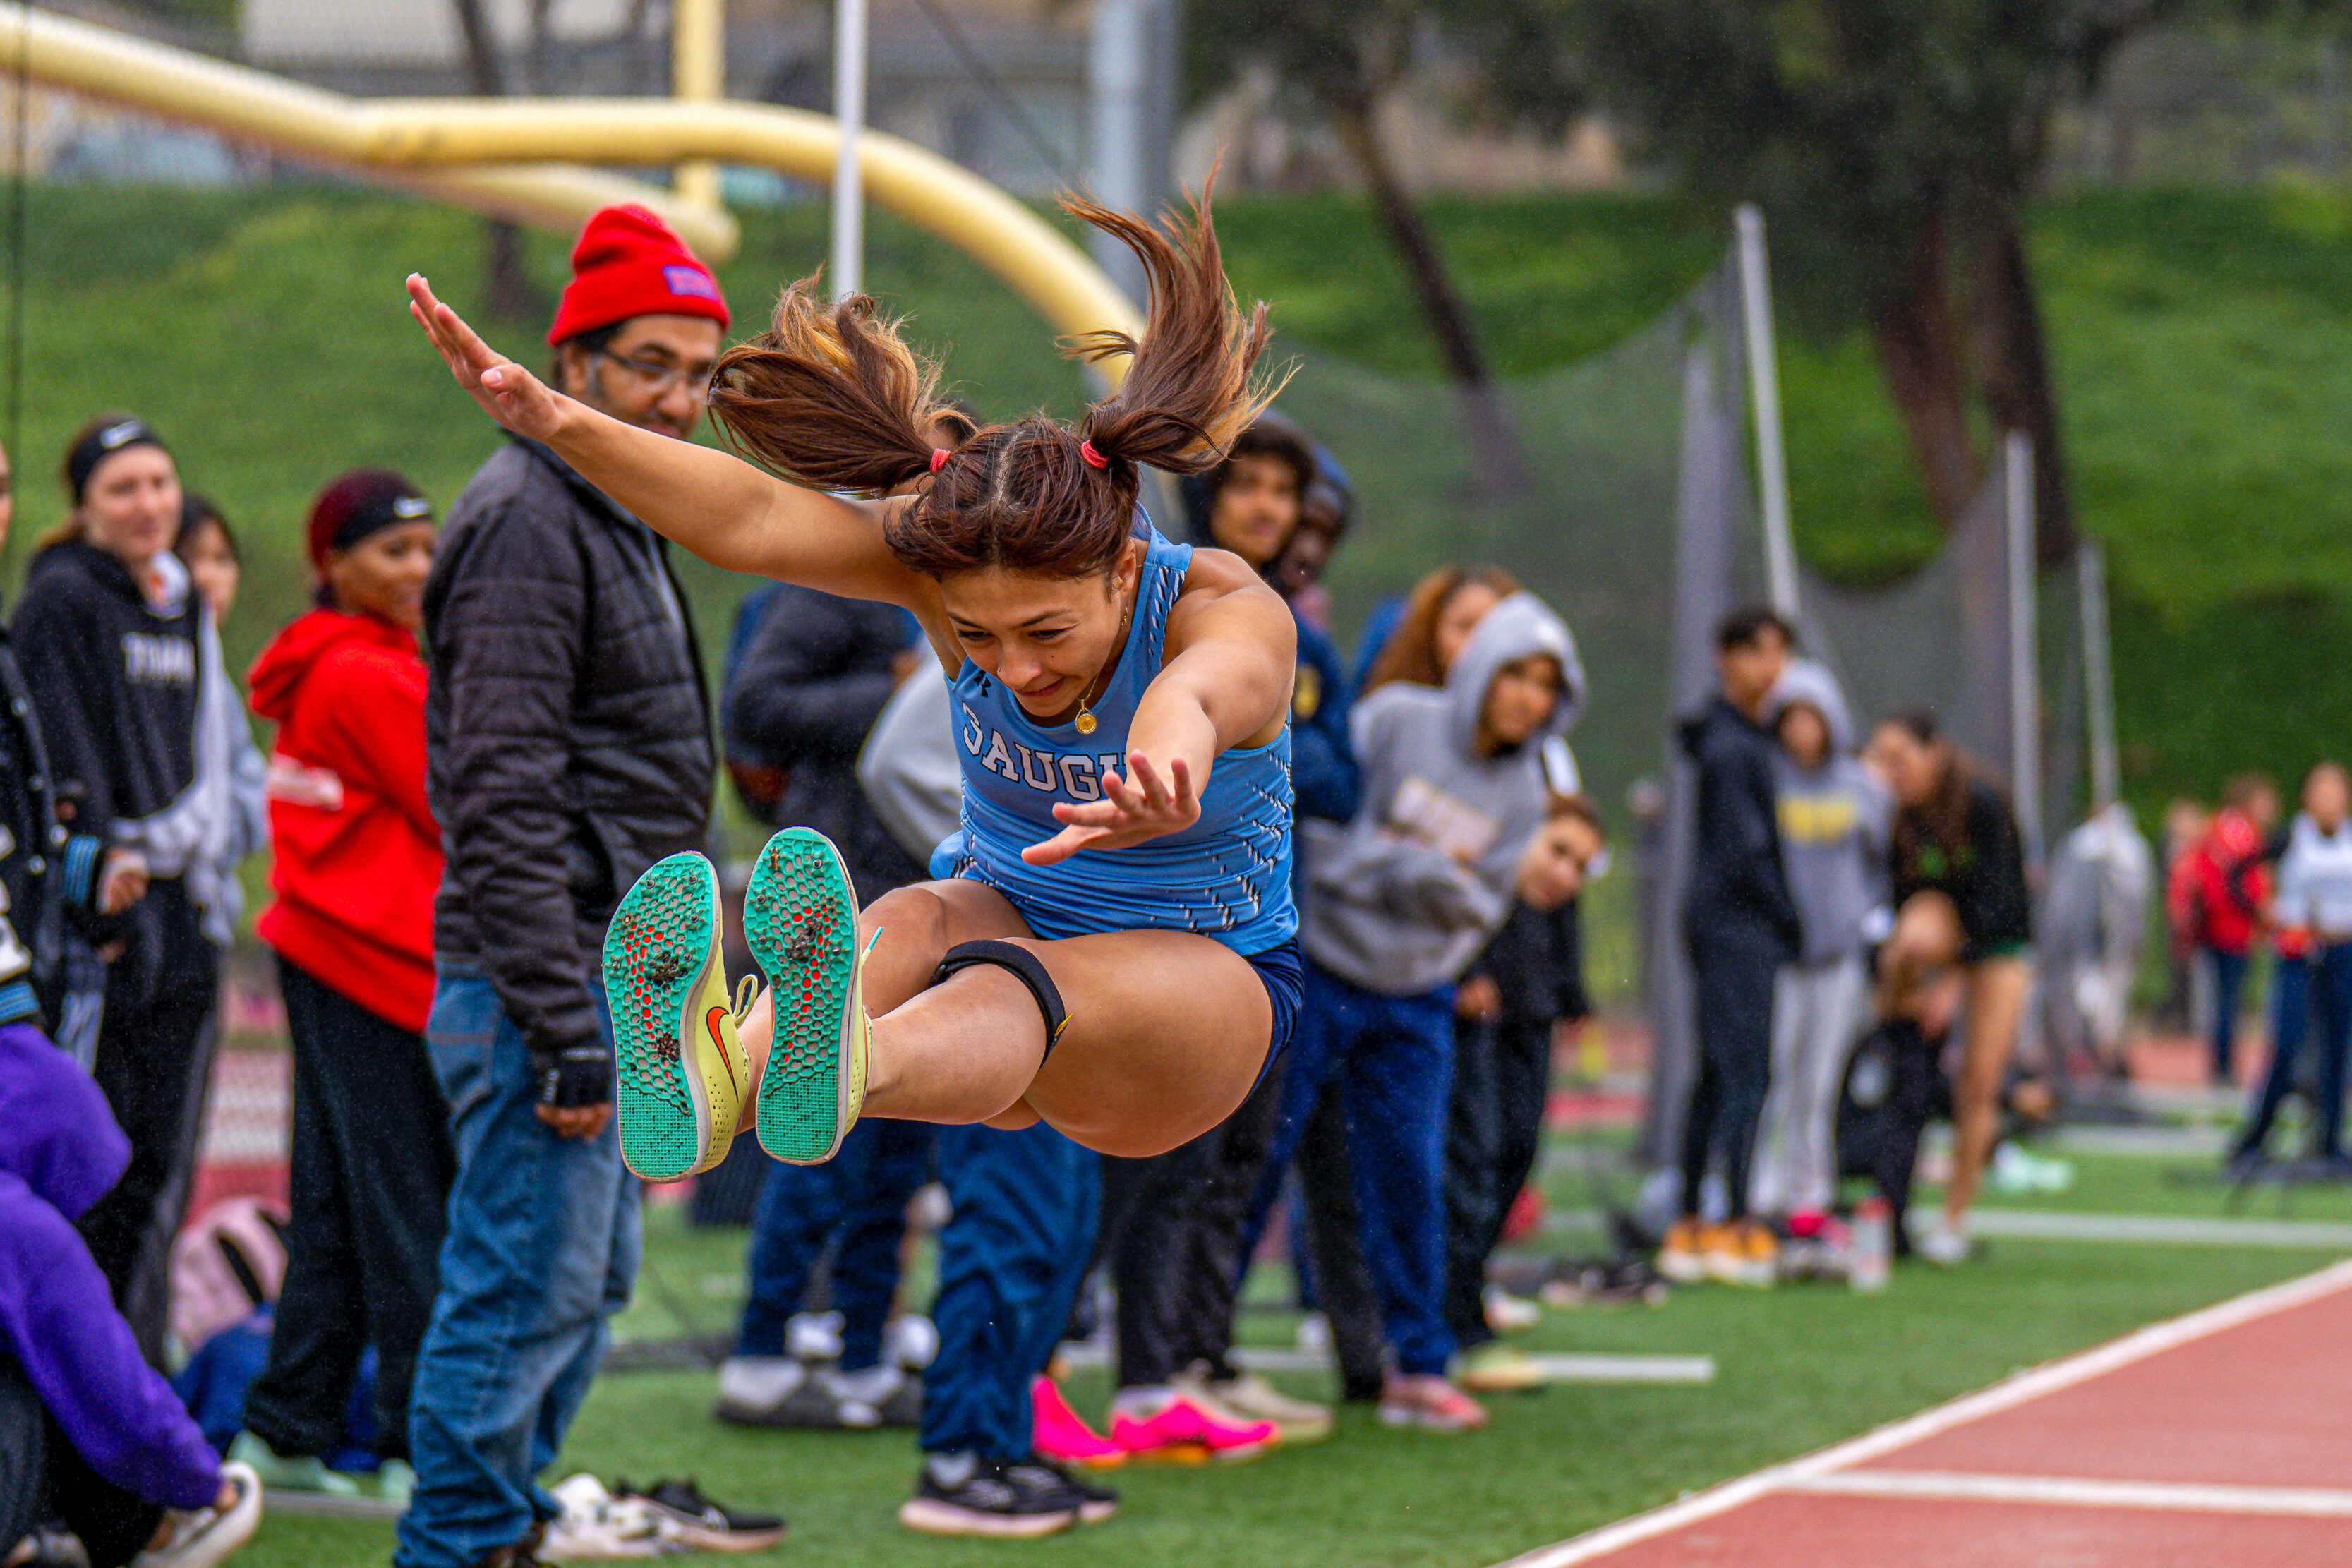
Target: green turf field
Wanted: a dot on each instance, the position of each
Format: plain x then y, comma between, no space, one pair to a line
1800,1367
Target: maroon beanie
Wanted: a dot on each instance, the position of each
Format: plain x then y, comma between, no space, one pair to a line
629,263
359,504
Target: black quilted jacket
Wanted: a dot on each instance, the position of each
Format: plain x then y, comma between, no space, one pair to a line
567,728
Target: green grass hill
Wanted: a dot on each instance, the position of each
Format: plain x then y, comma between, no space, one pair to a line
2204,341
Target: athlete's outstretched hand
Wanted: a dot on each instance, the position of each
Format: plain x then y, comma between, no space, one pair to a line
508,393
1131,810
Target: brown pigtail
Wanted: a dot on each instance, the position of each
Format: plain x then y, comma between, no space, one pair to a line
1189,389
833,397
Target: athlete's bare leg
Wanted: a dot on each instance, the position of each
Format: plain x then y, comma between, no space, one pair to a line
1996,1005
1167,1030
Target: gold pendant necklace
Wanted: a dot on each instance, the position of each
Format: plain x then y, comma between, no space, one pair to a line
1085,722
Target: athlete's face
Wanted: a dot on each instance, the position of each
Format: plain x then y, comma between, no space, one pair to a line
1749,669
131,507
214,568
1048,639
2327,796
1911,767
383,574
1521,698
1804,735
1256,509
1465,608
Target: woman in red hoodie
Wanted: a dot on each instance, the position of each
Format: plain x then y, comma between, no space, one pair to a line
358,860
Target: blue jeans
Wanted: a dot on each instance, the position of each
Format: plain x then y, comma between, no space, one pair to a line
1011,1262
542,1247
859,1197
1391,1059
2229,982
2320,985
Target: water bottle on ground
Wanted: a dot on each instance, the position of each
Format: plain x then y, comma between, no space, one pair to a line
1873,1244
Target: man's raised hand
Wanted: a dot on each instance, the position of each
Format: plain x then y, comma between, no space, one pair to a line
508,393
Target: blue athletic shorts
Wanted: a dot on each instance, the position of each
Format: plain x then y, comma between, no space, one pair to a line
1285,985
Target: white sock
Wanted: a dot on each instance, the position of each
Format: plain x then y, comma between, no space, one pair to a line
1143,1401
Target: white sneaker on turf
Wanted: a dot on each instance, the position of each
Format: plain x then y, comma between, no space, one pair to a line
595,1525
1946,1245
861,1399
813,1336
1248,1397
200,1538
1506,1313
754,1388
911,1342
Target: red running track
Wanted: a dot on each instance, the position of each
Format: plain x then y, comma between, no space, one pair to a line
2223,1439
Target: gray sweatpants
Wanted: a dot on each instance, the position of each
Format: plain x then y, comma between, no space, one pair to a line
1816,1009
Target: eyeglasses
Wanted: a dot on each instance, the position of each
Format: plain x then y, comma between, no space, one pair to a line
657,376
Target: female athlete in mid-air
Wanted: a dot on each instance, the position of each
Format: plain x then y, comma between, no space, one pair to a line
1113,951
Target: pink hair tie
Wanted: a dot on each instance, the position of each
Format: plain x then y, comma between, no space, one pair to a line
940,456
1095,459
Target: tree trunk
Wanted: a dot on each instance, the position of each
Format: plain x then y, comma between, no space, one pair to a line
2013,358
1501,468
507,292
1919,354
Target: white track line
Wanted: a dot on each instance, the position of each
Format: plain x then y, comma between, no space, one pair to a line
2178,1230
1944,1486
2006,1395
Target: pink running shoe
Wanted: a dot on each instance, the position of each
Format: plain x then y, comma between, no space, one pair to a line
1181,1433
1062,1434
1432,1404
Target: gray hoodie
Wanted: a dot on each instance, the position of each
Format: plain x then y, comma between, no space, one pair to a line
1833,824
1400,900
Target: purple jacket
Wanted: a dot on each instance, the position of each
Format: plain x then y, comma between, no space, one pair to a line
60,1152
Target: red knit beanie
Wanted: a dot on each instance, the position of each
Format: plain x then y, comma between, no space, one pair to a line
629,263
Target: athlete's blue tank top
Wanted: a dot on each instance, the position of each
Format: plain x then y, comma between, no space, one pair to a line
1225,876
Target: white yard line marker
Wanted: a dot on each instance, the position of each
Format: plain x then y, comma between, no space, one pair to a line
1625,1368
2006,1395
1943,1486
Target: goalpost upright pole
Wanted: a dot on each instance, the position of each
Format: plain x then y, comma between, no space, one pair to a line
849,112
1764,389
2024,661
2098,677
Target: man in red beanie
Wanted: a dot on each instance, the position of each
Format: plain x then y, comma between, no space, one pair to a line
640,324
568,748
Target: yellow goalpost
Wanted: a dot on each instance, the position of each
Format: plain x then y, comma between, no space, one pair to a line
523,159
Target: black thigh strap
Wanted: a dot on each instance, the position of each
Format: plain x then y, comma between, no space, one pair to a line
1023,966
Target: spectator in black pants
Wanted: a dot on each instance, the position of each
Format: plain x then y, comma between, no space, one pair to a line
111,635
1529,980
1740,927
358,860
1175,1226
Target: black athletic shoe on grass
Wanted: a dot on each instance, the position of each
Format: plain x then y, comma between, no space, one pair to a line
1043,1477
964,1495
703,1524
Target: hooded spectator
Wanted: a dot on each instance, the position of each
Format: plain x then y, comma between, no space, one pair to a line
358,860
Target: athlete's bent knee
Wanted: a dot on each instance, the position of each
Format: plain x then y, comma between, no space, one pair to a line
915,918
1014,1118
